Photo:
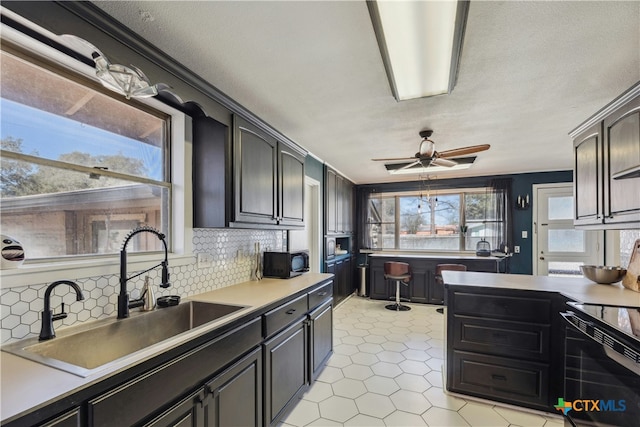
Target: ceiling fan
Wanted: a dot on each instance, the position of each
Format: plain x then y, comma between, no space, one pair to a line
427,154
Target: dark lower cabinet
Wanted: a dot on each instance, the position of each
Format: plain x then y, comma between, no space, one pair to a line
234,398
343,281
320,338
285,369
423,287
500,345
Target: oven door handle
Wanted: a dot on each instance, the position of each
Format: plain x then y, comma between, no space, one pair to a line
614,349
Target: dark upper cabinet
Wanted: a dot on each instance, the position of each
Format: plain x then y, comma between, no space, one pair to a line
622,150
587,176
339,203
251,180
607,165
255,165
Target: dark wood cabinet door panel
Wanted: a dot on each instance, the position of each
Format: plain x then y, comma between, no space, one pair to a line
524,309
255,170
502,338
506,380
70,419
320,338
234,398
622,148
330,201
587,173
291,207
285,357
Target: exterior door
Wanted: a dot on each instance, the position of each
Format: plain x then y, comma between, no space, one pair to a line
560,249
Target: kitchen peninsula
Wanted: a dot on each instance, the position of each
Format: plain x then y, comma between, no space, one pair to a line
510,337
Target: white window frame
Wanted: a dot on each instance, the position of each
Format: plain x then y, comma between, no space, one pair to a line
181,214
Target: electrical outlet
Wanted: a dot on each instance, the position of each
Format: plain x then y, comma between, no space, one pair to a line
516,249
204,260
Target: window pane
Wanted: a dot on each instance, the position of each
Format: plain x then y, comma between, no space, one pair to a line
76,215
480,231
565,240
430,223
59,119
560,207
480,206
388,233
54,210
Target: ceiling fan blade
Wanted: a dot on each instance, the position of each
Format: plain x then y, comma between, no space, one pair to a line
409,165
438,161
464,150
396,159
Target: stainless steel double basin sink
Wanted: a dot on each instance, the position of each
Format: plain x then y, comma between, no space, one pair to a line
87,349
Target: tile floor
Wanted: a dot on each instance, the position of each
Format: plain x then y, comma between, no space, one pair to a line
386,371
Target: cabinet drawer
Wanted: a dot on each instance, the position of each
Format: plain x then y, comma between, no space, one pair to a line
502,338
129,404
523,309
506,380
317,296
284,315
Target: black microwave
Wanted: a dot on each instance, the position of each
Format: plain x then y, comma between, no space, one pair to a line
284,265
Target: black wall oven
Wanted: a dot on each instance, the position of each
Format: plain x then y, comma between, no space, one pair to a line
602,366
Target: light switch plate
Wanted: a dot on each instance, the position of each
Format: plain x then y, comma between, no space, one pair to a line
204,260
524,234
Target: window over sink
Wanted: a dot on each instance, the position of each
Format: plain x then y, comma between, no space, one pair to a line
80,167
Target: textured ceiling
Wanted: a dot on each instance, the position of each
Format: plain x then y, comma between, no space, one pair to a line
530,72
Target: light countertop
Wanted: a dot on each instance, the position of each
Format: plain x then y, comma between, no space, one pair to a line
26,385
423,255
579,289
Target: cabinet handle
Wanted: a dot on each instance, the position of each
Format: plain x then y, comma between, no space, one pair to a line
291,311
321,294
498,377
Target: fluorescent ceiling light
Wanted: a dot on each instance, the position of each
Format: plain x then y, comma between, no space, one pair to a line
396,168
420,43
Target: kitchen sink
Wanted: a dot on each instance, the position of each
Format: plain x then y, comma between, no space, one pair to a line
94,348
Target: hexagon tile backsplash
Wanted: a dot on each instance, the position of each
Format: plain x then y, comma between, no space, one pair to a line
229,254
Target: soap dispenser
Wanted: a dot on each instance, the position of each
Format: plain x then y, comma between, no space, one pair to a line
148,296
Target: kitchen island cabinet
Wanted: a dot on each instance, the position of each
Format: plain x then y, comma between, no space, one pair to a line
195,381
505,336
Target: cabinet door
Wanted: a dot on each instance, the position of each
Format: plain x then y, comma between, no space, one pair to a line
320,338
234,398
419,285
622,149
291,206
347,206
340,187
285,370
255,172
211,167
187,413
436,288
587,177
378,288
331,219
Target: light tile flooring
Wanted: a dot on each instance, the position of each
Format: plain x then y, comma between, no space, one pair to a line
386,370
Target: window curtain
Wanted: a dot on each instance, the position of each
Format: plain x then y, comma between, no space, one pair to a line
503,213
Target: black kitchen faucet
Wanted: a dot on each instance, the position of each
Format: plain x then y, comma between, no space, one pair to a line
124,304
46,330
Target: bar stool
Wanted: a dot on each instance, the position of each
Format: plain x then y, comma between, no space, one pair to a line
400,273
438,276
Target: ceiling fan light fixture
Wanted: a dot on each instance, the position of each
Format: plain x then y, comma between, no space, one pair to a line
420,43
